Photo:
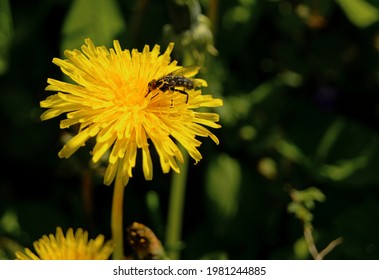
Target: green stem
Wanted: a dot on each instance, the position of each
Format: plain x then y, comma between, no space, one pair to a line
117,219
175,210
213,8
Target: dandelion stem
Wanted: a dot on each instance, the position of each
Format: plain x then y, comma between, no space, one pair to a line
117,219
175,210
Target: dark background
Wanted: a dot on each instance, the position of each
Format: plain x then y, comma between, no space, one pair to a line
300,83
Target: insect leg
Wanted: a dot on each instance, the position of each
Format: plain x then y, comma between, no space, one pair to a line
181,91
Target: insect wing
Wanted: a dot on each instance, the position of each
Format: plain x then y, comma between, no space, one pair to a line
187,72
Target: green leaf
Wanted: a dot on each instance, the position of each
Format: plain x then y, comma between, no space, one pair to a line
97,19
346,150
360,12
292,152
329,138
223,184
264,91
344,168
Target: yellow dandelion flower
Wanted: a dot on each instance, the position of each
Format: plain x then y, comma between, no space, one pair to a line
113,100
70,247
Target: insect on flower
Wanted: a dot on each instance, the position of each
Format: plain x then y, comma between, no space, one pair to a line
108,100
179,80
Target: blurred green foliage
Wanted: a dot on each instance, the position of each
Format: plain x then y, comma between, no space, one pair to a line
300,83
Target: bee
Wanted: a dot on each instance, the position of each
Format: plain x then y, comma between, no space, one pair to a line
179,80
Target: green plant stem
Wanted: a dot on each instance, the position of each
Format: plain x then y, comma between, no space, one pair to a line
213,8
175,212
117,219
